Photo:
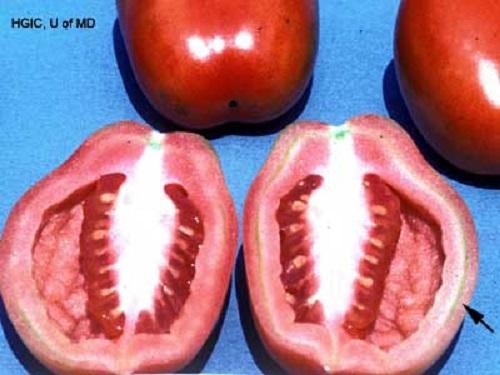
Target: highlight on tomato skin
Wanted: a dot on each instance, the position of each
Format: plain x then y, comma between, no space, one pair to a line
119,260
206,63
358,255
447,60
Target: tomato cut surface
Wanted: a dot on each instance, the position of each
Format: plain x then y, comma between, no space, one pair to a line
120,259
358,255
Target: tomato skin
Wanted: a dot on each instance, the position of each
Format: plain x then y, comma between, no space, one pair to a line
116,148
447,59
313,348
205,63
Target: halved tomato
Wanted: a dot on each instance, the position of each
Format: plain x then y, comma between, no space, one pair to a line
358,254
120,259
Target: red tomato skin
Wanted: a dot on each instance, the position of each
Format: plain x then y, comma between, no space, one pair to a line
447,58
205,63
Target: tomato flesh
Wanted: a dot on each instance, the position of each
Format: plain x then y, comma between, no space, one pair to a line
415,276
119,260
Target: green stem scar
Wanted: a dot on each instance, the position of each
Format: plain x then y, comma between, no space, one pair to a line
340,132
156,140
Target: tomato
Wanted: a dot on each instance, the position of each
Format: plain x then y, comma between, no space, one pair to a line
358,254
204,63
447,59
119,260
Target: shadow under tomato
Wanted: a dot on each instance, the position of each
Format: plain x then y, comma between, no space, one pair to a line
33,366
158,122
134,92
199,362
437,367
24,356
261,358
263,128
398,111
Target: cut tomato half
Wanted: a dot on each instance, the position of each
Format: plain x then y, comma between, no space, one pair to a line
119,261
358,254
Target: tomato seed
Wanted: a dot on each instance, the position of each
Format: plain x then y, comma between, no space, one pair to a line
107,197
96,260
367,282
297,276
299,261
186,230
371,259
384,234
176,278
298,206
377,243
294,228
290,298
99,234
379,210
359,307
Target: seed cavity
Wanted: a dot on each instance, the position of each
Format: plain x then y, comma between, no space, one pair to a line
103,304
176,278
297,276
383,234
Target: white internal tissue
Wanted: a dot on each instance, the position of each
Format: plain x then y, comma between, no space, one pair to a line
144,220
341,218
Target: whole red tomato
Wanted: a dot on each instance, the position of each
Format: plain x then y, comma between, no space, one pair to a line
204,63
447,57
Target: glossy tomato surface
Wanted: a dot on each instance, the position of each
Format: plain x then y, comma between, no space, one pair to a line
60,85
447,56
356,251
204,63
119,260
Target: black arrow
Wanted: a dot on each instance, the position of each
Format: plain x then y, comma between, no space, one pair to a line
477,317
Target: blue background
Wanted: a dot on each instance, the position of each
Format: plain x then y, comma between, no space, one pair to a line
59,86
